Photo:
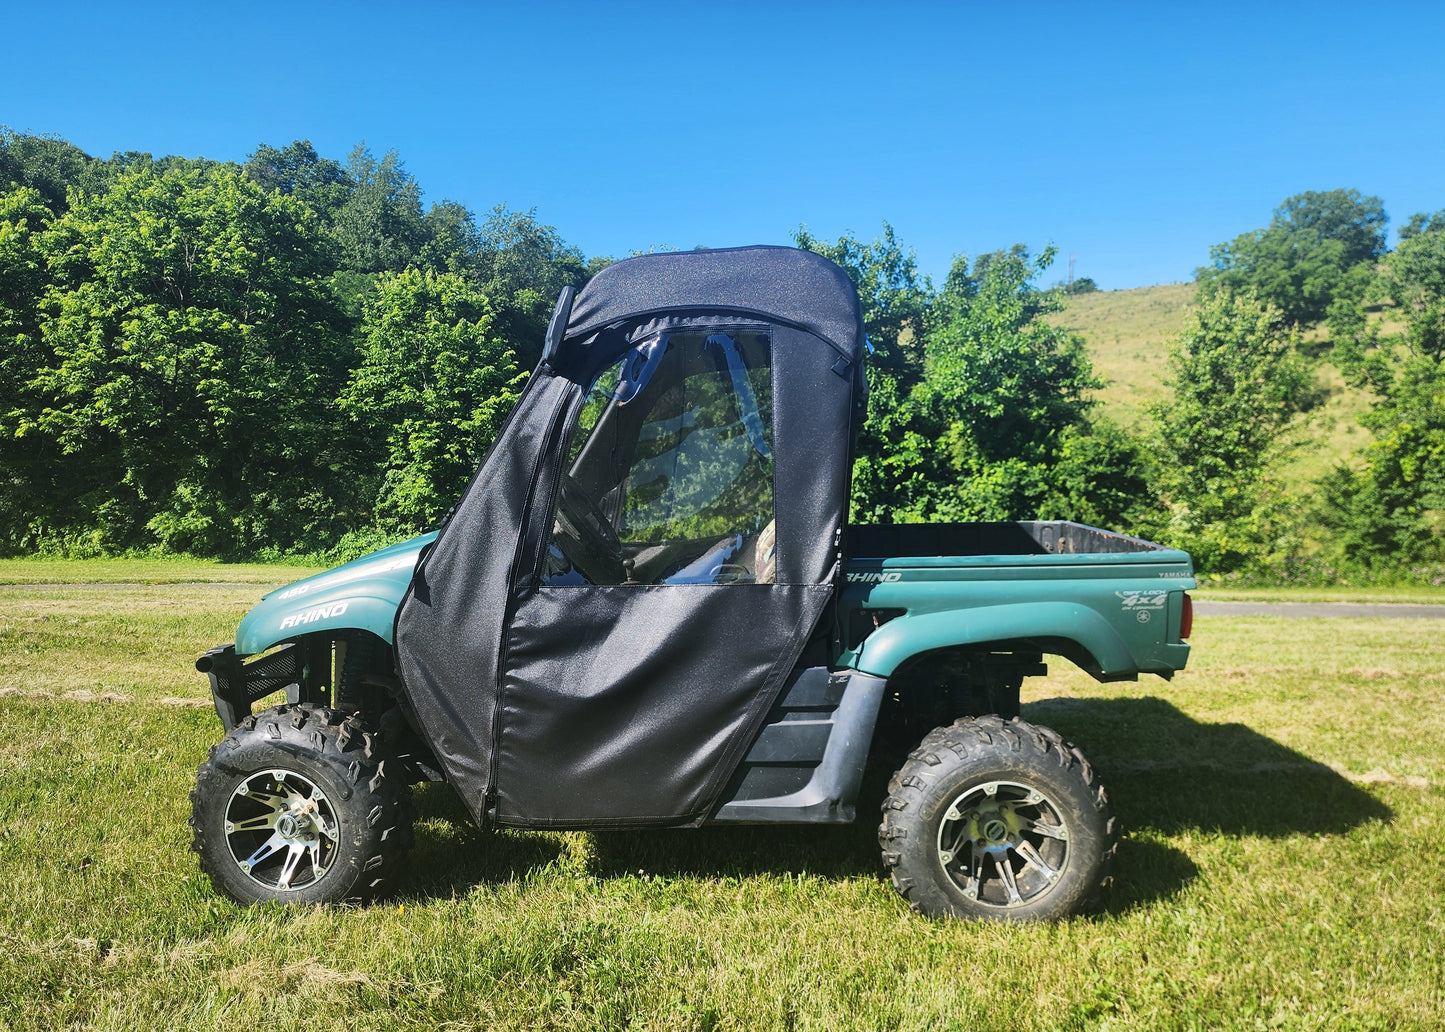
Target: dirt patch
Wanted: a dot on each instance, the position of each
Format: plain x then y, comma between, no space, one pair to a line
82,695
85,695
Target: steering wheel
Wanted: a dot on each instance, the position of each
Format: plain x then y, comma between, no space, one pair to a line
586,536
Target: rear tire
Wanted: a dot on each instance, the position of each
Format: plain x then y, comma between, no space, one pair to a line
301,804
998,820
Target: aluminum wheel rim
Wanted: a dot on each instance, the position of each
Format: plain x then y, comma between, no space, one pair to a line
281,830
1003,844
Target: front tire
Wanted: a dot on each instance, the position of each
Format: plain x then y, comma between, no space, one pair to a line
301,804
999,820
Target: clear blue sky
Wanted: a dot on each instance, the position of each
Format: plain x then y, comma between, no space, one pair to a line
1133,135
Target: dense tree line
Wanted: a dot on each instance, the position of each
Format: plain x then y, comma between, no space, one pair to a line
231,359
276,356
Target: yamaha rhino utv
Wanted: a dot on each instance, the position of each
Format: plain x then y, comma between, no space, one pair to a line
648,610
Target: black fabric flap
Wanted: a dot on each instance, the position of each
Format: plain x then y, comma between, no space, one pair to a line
631,705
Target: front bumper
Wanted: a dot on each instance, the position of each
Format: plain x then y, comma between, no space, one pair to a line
237,685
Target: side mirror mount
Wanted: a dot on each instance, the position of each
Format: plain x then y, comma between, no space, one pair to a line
557,328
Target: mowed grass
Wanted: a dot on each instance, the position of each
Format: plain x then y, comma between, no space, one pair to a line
1284,868
1414,594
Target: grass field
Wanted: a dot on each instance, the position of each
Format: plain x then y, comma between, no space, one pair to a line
1285,866
1339,593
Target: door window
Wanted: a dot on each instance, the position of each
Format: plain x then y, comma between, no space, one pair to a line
669,477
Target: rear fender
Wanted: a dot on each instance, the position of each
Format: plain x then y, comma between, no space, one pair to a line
887,648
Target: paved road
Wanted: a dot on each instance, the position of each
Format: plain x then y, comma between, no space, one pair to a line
131,585
1388,610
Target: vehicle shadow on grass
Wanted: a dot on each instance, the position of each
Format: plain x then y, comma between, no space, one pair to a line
1155,871
1165,772
451,854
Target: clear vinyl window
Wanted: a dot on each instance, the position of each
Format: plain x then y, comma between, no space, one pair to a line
669,479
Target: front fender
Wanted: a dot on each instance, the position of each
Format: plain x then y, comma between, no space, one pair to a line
267,625
907,636
360,596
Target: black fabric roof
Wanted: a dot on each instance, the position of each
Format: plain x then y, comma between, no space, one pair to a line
785,283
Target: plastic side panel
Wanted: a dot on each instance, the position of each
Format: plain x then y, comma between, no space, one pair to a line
361,595
829,794
900,639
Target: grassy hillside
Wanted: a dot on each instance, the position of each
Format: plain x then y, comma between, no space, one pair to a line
1129,333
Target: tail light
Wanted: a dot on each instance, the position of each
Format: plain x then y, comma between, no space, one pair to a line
1186,621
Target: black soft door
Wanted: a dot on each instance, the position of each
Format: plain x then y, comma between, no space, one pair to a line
656,621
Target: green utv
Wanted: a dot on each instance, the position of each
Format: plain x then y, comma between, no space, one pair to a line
648,610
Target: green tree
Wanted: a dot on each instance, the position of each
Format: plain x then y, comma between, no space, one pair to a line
24,469
895,298
1391,512
1013,380
1414,279
521,266
432,390
23,215
1006,399
381,226
453,242
296,170
1237,382
994,425
1319,249
1099,475
193,354
49,166
978,407
1355,221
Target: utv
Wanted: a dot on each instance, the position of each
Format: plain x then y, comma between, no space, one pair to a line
648,610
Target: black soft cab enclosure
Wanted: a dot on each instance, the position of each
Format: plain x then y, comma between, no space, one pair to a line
605,621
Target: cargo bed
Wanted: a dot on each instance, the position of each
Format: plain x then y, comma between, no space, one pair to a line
1028,537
